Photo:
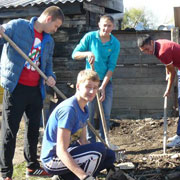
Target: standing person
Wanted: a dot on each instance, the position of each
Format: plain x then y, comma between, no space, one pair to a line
100,48
24,88
168,53
65,149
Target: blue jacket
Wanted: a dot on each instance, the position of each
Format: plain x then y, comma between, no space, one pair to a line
21,31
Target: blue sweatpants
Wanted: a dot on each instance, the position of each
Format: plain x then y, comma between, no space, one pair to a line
92,158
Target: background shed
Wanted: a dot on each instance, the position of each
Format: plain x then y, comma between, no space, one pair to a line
139,80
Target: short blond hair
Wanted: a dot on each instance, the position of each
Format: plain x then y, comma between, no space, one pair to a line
87,74
55,12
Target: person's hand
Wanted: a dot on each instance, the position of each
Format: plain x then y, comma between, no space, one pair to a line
89,178
167,77
51,81
102,94
91,58
2,30
166,93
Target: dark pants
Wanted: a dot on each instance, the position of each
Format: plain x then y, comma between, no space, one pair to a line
92,158
27,100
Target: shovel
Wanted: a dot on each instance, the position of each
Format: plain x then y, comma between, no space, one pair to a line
119,153
101,110
165,126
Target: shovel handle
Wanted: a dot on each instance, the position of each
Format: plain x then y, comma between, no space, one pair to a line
165,125
101,110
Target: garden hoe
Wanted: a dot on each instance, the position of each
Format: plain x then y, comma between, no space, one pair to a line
118,152
165,134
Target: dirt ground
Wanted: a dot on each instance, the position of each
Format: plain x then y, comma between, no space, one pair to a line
143,142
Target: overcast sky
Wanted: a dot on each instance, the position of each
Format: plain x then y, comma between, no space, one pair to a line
162,10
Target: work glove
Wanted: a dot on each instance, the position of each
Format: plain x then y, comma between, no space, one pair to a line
88,177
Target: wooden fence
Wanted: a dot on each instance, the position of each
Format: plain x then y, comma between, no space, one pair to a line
138,80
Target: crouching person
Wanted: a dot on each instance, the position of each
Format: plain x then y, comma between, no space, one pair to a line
65,149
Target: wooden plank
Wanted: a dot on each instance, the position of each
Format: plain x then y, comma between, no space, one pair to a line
68,9
138,113
138,72
93,8
139,81
139,90
177,16
136,59
115,5
140,103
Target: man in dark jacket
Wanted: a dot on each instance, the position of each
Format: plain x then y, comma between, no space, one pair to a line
24,88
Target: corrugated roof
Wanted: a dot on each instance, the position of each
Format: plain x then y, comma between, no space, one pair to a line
23,3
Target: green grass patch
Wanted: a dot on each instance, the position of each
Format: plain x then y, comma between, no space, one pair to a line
20,173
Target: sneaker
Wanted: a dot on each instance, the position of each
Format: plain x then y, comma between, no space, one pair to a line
37,172
172,138
175,142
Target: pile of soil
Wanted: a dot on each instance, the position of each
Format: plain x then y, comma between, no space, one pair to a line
143,141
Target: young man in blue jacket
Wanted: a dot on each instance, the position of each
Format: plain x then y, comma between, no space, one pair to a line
24,89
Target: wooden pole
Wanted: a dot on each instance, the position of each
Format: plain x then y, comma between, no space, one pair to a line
165,125
103,120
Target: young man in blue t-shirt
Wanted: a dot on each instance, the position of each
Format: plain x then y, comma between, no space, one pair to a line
65,149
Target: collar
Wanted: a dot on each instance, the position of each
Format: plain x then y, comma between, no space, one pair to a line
32,21
98,37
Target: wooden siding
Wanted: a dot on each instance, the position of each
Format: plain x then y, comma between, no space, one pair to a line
138,80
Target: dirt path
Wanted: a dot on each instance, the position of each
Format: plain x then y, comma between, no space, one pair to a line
141,139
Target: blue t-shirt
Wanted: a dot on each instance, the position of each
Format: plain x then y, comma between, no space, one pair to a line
66,115
106,54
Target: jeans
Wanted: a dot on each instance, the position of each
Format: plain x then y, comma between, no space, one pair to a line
23,100
107,105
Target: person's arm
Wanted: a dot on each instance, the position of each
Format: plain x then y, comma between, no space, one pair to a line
103,85
82,51
170,70
63,141
82,55
2,30
83,139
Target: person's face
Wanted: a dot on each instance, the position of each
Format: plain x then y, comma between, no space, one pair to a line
52,26
87,90
148,48
105,27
